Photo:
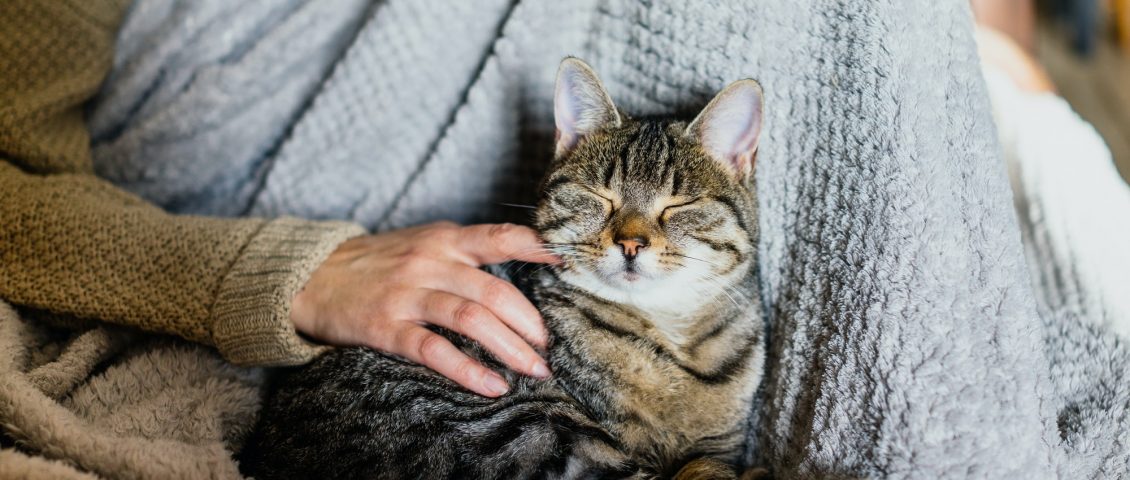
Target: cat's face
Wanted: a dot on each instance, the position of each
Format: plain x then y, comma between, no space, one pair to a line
651,212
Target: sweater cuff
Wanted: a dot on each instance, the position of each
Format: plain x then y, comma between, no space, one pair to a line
252,312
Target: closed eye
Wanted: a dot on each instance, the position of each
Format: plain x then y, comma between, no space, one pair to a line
670,209
681,205
610,204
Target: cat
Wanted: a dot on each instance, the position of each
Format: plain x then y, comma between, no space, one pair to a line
656,339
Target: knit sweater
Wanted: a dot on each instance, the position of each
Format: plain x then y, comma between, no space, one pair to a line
74,245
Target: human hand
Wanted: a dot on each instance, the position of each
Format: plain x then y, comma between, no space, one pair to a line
380,291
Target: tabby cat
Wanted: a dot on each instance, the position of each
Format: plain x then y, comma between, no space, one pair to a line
656,339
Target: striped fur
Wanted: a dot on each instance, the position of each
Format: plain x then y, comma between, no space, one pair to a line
655,359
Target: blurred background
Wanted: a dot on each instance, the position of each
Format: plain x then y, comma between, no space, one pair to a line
1084,47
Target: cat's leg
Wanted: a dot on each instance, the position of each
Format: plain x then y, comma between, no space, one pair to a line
706,469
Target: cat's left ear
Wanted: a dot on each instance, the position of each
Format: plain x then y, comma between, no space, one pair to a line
730,126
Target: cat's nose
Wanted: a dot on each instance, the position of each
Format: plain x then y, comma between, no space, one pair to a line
632,246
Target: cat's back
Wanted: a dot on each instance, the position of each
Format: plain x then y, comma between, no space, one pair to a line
357,413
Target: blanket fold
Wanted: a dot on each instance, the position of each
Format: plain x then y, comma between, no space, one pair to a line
160,409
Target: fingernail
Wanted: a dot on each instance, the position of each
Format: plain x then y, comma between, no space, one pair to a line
495,384
541,370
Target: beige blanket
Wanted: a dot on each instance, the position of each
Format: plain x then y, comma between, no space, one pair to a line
163,409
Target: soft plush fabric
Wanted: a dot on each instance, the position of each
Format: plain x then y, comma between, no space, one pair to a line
1072,207
160,409
905,338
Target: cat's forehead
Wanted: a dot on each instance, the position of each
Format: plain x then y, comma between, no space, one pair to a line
645,157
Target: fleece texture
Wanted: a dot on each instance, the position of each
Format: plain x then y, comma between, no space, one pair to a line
160,409
1071,204
906,340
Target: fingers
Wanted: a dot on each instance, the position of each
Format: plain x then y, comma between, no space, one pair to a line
500,242
503,299
431,350
469,318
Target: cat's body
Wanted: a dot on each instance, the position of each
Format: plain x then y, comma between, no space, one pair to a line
664,403
655,332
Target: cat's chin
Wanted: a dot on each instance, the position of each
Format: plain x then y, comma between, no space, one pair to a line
630,281
630,277
665,301
609,284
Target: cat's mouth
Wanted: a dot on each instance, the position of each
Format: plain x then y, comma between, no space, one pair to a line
629,280
620,272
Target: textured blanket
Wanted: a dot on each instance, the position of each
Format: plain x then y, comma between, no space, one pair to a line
905,335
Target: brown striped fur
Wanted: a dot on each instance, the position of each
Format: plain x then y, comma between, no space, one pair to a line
683,377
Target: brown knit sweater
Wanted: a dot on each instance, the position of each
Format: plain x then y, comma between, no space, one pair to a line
74,245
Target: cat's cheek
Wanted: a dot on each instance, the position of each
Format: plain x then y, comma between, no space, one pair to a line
684,222
679,236
711,264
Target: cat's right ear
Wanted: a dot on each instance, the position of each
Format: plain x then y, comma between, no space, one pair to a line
581,105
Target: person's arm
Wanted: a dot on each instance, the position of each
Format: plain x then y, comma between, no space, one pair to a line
75,245
71,243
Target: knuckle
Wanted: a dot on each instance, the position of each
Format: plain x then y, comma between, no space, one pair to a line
495,292
437,241
410,263
466,369
377,331
414,253
499,232
468,316
441,232
429,345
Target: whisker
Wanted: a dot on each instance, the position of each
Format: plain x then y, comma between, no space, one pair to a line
547,249
724,291
576,247
733,289
521,268
573,244
535,250
517,205
543,267
694,258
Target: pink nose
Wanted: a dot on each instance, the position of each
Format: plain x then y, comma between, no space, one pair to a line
632,246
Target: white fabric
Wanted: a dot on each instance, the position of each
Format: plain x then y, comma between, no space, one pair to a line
1074,204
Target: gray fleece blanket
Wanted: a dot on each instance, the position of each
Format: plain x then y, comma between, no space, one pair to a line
905,340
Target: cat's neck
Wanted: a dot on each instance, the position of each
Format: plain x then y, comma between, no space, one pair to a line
677,311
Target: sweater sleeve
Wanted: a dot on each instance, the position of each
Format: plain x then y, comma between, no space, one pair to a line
73,244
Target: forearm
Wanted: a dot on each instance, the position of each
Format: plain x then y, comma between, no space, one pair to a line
75,245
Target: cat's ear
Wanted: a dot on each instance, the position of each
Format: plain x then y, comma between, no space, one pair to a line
729,127
581,105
